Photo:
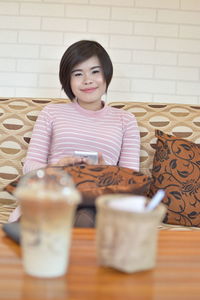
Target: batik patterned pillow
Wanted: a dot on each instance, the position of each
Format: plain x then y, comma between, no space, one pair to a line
176,169
95,180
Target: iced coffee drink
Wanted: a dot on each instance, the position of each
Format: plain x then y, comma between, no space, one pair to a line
47,217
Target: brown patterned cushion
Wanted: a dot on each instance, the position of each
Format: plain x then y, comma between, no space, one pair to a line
93,181
176,169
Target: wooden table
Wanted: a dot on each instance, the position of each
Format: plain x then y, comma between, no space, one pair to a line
176,276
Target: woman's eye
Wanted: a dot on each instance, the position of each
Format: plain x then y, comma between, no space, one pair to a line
77,74
95,71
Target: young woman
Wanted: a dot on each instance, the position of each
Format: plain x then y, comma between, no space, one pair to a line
87,123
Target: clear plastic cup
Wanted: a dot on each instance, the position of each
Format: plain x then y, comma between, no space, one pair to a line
48,199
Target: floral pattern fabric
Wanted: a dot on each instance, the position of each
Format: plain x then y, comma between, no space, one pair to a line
176,169
95,180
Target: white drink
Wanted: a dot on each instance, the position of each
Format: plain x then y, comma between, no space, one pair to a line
47,218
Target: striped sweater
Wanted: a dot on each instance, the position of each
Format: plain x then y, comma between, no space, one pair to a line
62,128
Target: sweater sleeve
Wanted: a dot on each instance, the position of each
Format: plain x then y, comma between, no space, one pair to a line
38,150
130,150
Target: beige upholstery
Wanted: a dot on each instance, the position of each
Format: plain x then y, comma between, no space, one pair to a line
179,119
18,115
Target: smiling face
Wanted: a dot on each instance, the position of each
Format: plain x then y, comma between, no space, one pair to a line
88,83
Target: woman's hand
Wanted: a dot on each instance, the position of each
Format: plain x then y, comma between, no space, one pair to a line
75,160
101,161
71,161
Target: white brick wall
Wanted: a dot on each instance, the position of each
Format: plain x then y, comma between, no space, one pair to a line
7,65
9,8
87,11
190,5
35,9
169,4
190,32
154,46
19,22
63,24
133,14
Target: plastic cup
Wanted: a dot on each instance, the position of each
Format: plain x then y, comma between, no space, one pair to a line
48,200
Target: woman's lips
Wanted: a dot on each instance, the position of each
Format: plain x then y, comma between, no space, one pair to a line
89,90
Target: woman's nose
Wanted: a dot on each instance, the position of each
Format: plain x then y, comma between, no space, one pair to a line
87,79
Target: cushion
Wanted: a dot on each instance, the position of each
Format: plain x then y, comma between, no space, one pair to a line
95,180
176,169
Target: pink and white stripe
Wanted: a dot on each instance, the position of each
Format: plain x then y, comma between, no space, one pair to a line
62,128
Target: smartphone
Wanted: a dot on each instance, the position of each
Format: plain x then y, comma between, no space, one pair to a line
13,231
92,156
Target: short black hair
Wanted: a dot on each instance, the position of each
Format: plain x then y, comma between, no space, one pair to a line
78,53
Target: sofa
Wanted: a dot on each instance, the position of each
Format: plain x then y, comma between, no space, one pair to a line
18,115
